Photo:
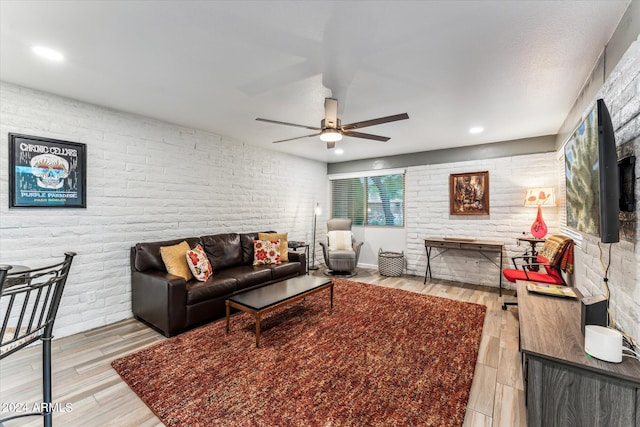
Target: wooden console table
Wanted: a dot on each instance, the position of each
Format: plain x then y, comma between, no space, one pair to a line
563,386
481,246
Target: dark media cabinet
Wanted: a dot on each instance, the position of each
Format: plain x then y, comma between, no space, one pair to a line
563,386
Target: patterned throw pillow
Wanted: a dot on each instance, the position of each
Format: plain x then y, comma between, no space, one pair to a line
340,240
284,247
266,252
174,262
199,264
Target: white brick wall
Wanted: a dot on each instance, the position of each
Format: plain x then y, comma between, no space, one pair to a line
427,214
621,92
146,180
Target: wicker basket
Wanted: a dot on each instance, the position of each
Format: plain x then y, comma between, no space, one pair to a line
390,263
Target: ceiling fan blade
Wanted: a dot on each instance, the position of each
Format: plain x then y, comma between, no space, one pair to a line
287,124
331,113
331,145
374,122
366,136
297,137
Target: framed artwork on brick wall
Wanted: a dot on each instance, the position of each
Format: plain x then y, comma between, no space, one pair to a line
46,173
469,193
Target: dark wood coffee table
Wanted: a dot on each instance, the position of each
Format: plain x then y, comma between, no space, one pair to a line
267,298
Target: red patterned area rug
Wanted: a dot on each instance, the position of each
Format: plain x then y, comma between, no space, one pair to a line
382,357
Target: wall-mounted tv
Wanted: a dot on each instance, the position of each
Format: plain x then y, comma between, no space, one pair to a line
609,177
591,170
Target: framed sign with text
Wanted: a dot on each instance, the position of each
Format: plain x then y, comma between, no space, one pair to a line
46,173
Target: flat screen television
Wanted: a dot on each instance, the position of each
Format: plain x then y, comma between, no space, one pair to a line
592,184
609,177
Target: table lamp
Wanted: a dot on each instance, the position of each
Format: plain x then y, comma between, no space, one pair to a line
539,197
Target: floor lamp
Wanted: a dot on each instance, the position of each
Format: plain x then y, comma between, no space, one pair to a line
316,212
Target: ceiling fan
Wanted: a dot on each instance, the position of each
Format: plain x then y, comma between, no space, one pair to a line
331,130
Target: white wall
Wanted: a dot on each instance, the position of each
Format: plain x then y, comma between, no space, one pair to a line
375,238
427,214
147,180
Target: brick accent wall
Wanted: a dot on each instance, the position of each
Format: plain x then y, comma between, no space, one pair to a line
427,214
147,180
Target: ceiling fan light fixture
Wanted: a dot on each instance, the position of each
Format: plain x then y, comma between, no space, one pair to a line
330,135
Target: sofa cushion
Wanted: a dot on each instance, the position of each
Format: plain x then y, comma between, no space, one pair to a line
246,242
223,250
213,288
247,275
266,252
147,255
284,247
284,270
175,259
340,240
348,254
199,264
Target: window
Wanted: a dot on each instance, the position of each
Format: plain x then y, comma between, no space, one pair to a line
369,200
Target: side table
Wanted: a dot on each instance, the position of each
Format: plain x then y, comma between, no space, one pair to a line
297,245
533,242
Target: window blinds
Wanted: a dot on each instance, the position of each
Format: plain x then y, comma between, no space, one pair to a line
371,200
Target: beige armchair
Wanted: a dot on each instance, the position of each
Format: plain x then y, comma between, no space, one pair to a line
341,251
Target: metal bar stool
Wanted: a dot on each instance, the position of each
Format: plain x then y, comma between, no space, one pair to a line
28,306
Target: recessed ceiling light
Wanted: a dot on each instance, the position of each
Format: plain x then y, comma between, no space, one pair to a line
47,53
476,130
339,151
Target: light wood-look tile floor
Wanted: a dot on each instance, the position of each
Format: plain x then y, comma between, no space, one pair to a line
84,379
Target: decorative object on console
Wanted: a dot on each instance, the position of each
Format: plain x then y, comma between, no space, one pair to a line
469,193
199,263
539,197
316,212
175,260
266,252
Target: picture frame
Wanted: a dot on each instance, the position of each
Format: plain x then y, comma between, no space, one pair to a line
469,193
46,173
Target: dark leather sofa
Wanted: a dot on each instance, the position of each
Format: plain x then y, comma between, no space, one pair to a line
171,304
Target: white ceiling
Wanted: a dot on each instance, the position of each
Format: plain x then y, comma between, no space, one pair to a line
513,67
